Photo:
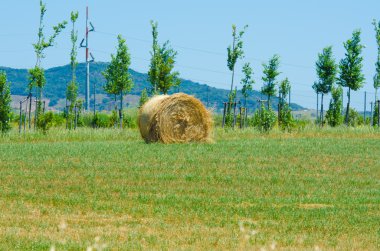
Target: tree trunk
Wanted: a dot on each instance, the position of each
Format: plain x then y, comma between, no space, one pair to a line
30,109
348,106
268,101
322,108
121,110
317,107
232,79
115,124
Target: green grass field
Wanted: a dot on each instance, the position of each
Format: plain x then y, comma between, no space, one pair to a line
317,189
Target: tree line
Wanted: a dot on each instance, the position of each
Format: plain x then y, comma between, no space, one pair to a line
332,77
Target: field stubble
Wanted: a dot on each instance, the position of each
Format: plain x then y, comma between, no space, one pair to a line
108,189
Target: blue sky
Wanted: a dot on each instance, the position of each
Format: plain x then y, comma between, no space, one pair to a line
201,31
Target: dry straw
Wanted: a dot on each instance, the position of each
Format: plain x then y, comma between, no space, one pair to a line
176,118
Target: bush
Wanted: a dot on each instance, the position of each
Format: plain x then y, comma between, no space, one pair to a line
355,118
286,122
264,119
45,121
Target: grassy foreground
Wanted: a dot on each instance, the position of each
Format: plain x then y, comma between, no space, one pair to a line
317,189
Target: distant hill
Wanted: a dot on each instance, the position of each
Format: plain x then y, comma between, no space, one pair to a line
58,77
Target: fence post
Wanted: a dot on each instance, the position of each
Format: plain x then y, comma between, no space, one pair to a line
245,117
20,121
36,113
241,117
76,116
317,120
30,109
234,123
224,114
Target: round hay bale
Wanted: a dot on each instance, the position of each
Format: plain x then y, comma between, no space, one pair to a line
176,118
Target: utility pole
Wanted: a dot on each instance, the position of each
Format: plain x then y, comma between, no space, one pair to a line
87,98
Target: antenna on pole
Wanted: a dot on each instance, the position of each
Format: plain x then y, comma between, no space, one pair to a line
84,44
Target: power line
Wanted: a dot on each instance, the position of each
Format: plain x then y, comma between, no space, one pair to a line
206,51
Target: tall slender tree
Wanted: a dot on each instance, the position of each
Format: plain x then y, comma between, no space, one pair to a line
270,74
351,75
235,51
376,78
153,74
334,114
326,72
247,82
37,74
118,78
161,73
72,87
284,90
5,103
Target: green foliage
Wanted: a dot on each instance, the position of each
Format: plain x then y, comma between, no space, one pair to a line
284,90
376,114
351,75
236,51
161,74
72,87
355,119
286,121
270,74
118,78
326,71
42,43
143,98
36,78
5,103
264,119
247,82
45,121
376,79
334,114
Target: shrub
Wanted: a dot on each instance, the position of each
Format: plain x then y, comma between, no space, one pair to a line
264,119
287,122
45,121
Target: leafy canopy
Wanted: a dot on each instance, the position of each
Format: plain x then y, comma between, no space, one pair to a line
326,71
236,51
376,79
118,78
5,103
351,75
248,80
161,74
270,74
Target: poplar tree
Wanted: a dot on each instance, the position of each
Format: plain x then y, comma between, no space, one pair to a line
334,114
118,78
72,87
247,82
326,72
235,51
143,98
5,103
37,74
285,119
351,75
270,74
376,78
161,74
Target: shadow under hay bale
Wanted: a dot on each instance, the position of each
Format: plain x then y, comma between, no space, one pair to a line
177,118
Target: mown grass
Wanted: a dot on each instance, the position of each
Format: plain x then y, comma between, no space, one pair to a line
304,190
